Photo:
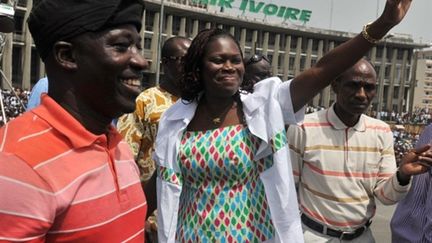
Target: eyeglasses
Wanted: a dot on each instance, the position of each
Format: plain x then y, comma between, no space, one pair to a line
256,58
174,58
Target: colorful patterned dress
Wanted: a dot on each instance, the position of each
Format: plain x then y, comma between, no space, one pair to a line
223,198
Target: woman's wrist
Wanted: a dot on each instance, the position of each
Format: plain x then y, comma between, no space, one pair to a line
377,29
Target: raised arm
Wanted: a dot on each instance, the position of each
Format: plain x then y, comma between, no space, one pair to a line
307,84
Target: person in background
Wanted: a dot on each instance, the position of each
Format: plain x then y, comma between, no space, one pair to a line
140,127
257,68
65,173
224,171
411,220
35,96
344,159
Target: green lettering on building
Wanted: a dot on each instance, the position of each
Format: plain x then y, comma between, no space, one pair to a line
252,6
270,9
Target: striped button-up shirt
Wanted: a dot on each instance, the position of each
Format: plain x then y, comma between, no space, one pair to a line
340,170
61,183
412,220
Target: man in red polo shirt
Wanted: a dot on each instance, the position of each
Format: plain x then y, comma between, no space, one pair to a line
65,173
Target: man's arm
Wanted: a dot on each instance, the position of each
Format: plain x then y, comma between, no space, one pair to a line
306,85
388,189
296,142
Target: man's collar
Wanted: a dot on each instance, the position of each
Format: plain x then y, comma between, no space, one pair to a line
337,124
66,124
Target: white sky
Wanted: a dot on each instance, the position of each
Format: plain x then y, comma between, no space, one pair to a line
351,15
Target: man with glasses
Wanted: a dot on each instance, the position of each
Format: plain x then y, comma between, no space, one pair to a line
257,68
140,127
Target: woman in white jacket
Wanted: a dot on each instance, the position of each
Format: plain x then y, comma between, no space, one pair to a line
224,173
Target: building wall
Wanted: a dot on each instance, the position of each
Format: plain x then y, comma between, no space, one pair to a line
423,88
291,48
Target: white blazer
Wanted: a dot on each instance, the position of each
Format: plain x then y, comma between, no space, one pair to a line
266,111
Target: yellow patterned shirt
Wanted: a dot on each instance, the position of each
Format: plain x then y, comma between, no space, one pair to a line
139,128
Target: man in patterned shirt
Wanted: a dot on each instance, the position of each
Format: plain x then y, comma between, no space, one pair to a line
140,127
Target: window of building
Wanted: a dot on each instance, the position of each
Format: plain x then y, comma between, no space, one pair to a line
22,3
149,20
395,92
19,22
302,62
17,65
176,25
270,56
291,63
249,35
201,25
379,52
304,45
387,71
272,39
400,54
147,41
34,67
293,42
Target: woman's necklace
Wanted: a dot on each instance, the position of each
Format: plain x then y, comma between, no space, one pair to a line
218,119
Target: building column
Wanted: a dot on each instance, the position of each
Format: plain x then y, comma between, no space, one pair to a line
392,81
413,81
42,72
169,26
286,59
275,60
243,39
182,31
7,61
381,79
154,42
254,41
142,34
373,60
297,70
27,52
232,30
265,43
326,93
195,27
373,55
401,95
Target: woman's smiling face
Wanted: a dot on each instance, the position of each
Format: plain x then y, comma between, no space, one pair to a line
222,67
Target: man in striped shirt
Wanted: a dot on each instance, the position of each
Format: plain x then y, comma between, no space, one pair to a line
343,160
65,173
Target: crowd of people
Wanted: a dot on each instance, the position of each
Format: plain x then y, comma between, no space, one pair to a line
220,151
14,103
418,116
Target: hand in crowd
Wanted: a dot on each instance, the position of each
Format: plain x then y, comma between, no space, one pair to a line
415,162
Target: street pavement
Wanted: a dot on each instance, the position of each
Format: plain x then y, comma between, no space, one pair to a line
381,222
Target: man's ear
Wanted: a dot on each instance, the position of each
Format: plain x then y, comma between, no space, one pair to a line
64,55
